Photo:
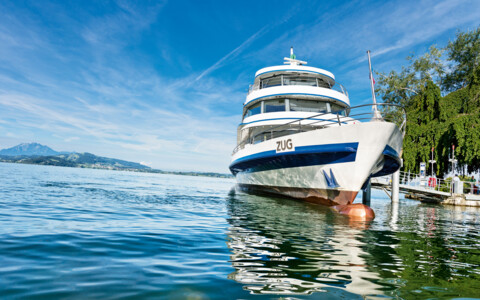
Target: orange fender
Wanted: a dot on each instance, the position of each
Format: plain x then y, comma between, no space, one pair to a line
357,211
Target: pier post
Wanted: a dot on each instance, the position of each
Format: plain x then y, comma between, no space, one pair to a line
395,186
366,194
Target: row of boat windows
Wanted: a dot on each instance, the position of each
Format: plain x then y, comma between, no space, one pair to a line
278,105
279,80
290,79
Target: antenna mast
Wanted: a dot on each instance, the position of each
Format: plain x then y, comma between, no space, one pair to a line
292,60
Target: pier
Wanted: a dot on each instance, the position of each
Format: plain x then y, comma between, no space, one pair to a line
427,189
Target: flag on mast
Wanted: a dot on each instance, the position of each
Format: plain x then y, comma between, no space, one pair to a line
371,76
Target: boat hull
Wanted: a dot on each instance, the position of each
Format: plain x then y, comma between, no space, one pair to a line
327,166
328,197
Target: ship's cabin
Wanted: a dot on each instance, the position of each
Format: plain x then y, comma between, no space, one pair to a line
289,99
292,79
257,134
327,112
276,79
292,105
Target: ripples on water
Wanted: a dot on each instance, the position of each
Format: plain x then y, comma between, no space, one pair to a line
79,233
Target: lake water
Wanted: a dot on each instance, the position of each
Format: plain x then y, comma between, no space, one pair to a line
82,233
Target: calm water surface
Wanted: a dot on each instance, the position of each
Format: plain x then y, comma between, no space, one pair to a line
81,233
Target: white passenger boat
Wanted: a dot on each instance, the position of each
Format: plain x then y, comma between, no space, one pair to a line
299,137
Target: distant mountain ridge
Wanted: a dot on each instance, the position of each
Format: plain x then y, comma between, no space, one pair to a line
29,149
35,153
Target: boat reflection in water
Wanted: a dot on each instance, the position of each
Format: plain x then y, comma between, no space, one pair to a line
280,246
410,251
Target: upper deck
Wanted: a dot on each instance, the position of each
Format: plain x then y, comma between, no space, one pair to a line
297,81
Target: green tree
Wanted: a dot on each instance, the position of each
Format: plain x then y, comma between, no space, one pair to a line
460,114
433,120
464,56
423,127
400,88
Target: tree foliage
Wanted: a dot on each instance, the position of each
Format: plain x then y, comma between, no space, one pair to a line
433,120
464,54
423,126
400,88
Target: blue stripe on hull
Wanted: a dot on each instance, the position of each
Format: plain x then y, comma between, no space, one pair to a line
392,162
301,157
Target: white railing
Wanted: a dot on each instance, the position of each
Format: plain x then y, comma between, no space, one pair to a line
316,82
433,183
471,187
427,182
360,113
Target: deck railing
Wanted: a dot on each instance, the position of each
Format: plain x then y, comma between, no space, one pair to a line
318,83
362,113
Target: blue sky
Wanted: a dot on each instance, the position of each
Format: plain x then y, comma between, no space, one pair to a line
163,82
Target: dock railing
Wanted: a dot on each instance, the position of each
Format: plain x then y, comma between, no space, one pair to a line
361,113
427,182
471,187
431,183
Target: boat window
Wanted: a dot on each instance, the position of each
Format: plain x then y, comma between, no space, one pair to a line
254,110
293,79
265,134
271,81
274,105
308,105
299,80
322,83
338,109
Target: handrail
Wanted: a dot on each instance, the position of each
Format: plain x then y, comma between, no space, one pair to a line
336,117
336,87
427,182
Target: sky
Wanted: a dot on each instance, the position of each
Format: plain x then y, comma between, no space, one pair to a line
163,82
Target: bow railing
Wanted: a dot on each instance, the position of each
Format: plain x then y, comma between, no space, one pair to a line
362,113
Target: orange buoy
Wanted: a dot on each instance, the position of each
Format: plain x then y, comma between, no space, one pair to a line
357,211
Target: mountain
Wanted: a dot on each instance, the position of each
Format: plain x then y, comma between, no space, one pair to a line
92,161
34,153
78,160
29,149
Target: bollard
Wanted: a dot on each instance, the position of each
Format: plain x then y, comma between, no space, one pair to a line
395,186
459,187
